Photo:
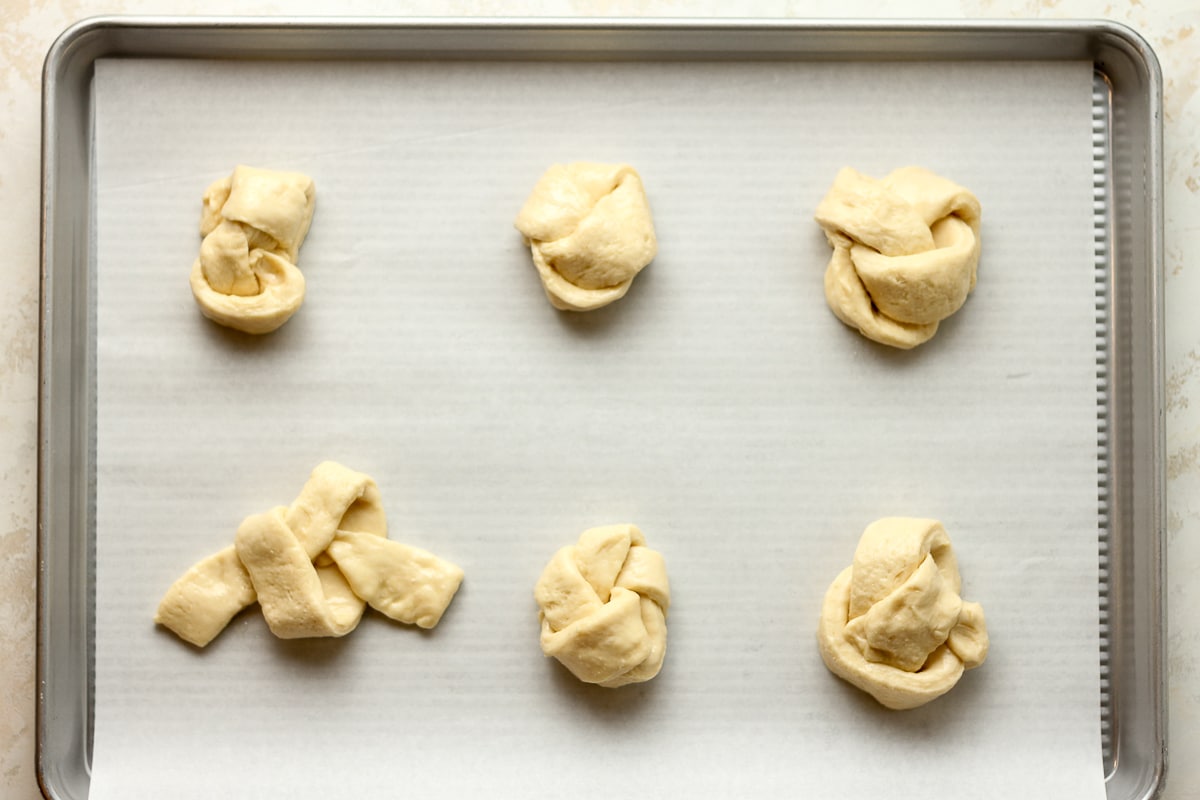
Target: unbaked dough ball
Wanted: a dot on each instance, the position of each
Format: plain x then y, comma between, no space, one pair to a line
893,623
253,223
589,229
905,252
603,607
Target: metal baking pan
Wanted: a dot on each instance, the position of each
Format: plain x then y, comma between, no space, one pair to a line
1128,159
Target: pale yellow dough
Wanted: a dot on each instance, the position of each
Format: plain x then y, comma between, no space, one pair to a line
589,229
253,223
201,603
405,583
298,599
893,623
313,566
905,252
603,605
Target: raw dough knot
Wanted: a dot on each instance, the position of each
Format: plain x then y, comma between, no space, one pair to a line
893,623
589,229
603,604
313,566
253,223
905,252
301,590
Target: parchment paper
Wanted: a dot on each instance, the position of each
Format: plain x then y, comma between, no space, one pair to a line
720,406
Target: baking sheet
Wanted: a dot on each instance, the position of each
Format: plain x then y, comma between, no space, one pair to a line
719,406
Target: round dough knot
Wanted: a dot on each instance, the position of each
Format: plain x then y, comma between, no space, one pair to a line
893,623
603,605
253,223
905,252
589,229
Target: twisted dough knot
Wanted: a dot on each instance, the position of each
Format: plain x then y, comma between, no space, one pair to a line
301,590
603,606
893,624
253,223
589,229
313,566
905,252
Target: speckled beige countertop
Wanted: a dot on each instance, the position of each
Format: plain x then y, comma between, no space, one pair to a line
29,27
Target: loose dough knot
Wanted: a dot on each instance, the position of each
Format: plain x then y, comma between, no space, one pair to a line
589,229
905,252
253,224
313,566
893,624
603,606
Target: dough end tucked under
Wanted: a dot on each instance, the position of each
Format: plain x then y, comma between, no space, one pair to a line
589,231
893,623
603,605
905,252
